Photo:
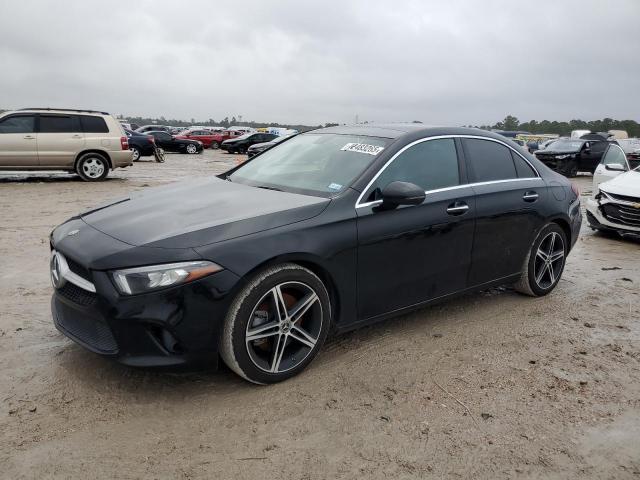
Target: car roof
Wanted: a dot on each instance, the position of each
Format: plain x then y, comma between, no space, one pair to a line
396,130
62,111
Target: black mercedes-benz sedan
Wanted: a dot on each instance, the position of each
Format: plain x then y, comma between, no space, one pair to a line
328,231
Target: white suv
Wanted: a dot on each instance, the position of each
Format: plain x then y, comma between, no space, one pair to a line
86,142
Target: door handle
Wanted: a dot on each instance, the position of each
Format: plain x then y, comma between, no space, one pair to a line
530,196
457,208
29,137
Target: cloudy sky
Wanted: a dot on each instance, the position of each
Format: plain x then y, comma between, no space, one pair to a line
442,62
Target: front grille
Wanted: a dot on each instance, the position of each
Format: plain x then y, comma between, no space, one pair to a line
624,198
94,333
78,269
622,214
77,295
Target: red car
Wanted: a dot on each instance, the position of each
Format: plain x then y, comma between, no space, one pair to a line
205,136
209,139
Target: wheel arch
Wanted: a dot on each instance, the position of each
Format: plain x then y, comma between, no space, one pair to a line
566,228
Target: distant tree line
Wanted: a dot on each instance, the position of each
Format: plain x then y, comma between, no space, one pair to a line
564,128
225,122
510,122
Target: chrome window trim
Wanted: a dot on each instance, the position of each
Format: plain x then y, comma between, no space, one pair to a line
439,137
456,187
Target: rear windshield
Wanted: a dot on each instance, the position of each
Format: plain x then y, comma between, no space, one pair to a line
315,164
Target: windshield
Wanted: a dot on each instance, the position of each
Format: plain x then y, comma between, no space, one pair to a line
316,164
566,146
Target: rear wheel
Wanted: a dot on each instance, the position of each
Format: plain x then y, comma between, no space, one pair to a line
214,145
545,262
135,153
276,324
191,148
92,167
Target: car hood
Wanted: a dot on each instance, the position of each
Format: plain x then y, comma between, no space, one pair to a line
555,152
627,184
259,146
200,212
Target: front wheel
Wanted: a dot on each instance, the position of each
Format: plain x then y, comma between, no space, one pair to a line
570,169
92,167
276,324
545,262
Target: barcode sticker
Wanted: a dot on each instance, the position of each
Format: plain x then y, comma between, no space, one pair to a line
362,148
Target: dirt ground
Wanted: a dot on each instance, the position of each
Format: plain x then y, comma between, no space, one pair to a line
492,385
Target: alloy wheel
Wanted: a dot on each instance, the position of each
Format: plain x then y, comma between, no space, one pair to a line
284,327
191,149
135,153
93,167
549,260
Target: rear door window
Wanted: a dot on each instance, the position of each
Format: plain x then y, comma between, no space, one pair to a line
91,124
489,160
59,124
523,168
18,124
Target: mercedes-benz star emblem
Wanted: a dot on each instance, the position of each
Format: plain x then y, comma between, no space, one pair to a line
57,280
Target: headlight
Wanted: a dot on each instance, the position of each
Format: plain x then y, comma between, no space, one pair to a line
132,281
561,157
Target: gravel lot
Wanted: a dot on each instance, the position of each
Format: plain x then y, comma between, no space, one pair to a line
492,385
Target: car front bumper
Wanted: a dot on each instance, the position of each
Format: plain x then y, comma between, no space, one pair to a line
175,326
598,220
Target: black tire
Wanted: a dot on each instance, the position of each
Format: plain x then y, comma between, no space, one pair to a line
257,361
92,167
570,169
136,153
536,279
214,145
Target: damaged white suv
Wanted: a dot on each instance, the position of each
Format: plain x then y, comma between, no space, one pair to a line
615,204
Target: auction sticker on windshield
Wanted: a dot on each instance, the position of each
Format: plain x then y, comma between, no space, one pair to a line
362,148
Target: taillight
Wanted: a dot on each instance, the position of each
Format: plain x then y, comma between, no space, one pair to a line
151,139
124,143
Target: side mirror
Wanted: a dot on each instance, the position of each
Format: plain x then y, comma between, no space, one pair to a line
615,167
402,193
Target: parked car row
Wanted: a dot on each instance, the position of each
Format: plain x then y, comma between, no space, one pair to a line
210,139
570,155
